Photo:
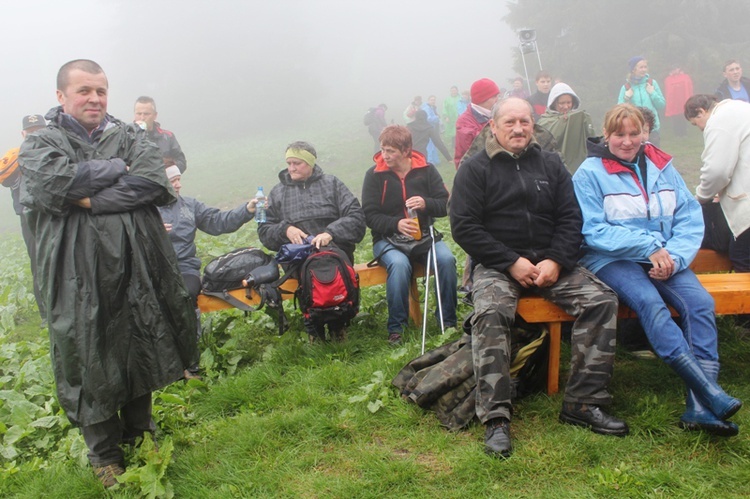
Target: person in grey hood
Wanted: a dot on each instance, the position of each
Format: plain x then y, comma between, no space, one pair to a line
569,124
307,202
186,216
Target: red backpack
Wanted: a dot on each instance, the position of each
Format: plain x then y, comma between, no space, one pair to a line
328,286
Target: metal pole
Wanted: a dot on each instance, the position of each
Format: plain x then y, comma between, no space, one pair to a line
426,299
525,71
437,279
538,57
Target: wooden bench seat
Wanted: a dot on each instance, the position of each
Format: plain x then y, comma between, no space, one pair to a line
731,293
368,276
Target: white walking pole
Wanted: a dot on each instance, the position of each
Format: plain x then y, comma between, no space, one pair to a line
426,299
437,279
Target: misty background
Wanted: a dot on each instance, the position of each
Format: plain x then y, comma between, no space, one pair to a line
237,81
228,70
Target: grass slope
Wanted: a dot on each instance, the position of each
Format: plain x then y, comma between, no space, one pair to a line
277,417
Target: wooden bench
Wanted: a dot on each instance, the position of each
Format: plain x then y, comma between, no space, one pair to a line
368,276
731,292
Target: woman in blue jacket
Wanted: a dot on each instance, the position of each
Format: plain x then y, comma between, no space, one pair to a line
641,229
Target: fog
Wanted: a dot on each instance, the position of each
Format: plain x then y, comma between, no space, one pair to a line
232,68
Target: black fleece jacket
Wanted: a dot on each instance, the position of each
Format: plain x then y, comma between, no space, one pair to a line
506,207
384,195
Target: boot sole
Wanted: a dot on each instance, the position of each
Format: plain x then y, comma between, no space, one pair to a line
567,419
729,430
503,455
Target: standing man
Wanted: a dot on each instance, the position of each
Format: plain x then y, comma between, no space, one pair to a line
484,94
117,307
539,98
410,112
10,176
725,173
515,212
735,85
145,115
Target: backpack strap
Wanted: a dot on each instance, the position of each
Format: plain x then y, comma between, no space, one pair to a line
376,261
236,303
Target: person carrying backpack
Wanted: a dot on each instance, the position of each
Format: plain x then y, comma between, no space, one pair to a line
375,122
10,177
642,90
308,202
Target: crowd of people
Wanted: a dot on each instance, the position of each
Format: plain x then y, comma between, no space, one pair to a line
541,203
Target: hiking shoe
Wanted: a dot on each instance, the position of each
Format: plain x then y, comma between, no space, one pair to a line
497,438
394,338
107,474
594,418
191,373
339,336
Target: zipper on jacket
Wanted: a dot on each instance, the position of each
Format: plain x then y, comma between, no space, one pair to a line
637,179
528,211
403,193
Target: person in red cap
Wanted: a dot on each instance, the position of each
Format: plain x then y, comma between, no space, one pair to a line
484,94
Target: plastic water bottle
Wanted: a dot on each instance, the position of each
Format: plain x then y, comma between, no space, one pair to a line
260,208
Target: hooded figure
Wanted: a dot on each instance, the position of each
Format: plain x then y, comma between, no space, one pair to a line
569,125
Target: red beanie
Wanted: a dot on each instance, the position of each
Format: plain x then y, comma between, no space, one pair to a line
483,89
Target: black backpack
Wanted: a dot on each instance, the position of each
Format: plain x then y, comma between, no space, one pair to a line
328,286
248,268
226,272
369,118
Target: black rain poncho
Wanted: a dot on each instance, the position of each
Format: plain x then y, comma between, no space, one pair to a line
121,322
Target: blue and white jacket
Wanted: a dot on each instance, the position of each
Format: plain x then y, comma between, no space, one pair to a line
627,218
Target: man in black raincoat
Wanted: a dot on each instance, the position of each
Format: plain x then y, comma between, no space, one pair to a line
121,322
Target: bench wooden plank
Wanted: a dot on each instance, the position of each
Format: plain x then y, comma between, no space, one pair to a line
368,276
731,293
711,261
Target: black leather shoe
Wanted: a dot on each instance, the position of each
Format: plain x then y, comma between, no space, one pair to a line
594,418
497,438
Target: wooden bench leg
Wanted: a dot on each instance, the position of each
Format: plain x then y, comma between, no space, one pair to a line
415,307
553,365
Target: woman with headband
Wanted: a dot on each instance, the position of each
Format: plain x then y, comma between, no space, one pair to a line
308,202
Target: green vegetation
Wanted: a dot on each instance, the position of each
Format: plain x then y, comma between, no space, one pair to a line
276,417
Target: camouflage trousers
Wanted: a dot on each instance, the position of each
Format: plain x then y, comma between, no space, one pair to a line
577,292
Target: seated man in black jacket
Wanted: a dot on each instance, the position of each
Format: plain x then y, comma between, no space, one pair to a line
514,211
